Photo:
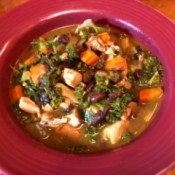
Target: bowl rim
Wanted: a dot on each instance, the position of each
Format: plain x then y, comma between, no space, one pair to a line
158,41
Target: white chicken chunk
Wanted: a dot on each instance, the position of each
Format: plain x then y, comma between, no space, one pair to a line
71,77
64,56
27,105
47,119
86,24
109,48
111,51
73,118
51,119
47,108
67,92
96,43
112,133
64,105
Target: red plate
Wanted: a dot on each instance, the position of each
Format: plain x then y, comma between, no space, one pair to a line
151,152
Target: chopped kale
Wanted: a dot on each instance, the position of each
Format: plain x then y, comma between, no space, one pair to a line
92,133
127,137
85,34
72,52
102,84
39,45
53,43
99,29
80,93
119,105
152,72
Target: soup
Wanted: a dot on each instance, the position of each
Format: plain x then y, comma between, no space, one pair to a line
86,88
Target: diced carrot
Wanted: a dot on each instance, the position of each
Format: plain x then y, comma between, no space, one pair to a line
117,63
16,93
30,60
105,37
89,57
69,133
147,95
36,71
45,51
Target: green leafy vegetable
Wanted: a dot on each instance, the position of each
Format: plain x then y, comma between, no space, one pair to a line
92,133
71,50
126,137
102,84
80,93
39,45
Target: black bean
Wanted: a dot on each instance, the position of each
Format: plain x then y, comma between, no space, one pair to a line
138,73
87,77
113,95
96,119
97,96
64,39
106,111
100,116
90,86
55,63
43,97
41,80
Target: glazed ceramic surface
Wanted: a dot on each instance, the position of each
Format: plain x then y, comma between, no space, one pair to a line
150,153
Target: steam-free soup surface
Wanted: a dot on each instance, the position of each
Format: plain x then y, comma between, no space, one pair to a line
86,88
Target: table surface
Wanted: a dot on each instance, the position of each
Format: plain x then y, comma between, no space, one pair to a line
167,7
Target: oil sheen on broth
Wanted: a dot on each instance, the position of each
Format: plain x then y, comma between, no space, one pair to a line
86,88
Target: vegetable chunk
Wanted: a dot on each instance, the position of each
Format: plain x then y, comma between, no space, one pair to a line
112,133
147,95
36,71
16,93
89,57
73,118
27,105
67,92
117,63
71,77
69,134
30,60
105,37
